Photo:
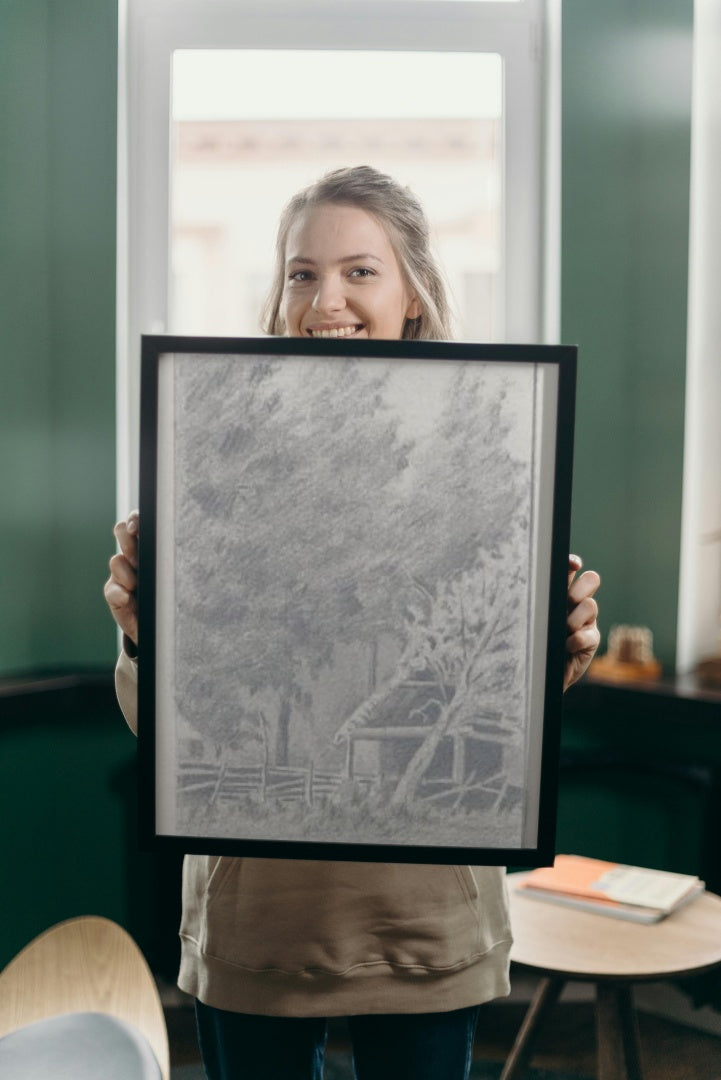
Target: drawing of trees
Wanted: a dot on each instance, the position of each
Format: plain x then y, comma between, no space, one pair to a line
466,634
467,625
280,456
313,519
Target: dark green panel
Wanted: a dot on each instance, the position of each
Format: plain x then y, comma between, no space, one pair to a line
641,779
26,524
83,76
626,143
624,816
63,789
58,74
68,785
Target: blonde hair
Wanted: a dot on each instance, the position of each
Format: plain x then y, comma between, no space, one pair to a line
403,217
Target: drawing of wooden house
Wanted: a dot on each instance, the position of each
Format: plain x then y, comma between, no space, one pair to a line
382,735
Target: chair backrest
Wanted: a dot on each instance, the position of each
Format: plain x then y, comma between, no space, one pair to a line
88,964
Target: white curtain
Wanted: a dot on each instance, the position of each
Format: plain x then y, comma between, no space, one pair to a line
700,585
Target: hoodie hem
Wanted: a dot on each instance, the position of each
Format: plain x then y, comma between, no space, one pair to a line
371,989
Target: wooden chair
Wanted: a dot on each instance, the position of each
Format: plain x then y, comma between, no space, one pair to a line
83,968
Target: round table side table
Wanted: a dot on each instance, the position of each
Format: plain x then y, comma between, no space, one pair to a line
564,944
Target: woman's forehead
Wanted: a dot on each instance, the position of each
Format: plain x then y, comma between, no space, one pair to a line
336,230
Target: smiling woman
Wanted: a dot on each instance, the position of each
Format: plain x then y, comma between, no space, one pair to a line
272,947
353,259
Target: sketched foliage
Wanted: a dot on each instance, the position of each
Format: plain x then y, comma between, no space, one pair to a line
313,513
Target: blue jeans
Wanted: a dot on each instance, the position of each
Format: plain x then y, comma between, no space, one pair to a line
415,1046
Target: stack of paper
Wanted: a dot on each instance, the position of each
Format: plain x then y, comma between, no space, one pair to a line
624,892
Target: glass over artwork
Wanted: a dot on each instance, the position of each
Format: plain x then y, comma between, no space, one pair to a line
352,597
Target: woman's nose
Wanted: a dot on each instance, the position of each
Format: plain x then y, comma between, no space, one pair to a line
329,296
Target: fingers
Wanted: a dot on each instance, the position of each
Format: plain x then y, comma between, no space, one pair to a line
582,633
584,586
121,587
585,640
584,613
121,601
126,533
575,562
123,608
123,572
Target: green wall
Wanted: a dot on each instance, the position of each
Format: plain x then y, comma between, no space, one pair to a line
58,71
66,758
626,145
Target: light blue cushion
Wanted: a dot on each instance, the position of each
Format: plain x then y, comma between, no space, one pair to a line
78,1046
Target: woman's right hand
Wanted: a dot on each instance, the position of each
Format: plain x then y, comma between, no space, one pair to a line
121,587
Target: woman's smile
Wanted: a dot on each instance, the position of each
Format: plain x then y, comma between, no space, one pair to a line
335,331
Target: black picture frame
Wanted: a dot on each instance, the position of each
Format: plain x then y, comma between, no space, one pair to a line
352,597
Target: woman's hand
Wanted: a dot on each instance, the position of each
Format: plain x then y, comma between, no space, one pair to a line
583,636
121,587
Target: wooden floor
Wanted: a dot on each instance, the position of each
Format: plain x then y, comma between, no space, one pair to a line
567,1042
669,1051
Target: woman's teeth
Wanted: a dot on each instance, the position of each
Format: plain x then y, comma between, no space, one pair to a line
337,331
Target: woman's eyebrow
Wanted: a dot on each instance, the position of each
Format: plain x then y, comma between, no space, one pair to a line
363,255
360,258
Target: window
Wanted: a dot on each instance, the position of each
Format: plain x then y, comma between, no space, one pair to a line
236,161
227,107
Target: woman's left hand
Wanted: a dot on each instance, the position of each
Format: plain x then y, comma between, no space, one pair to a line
583,636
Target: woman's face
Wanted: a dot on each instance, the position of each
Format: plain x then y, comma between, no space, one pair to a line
342,277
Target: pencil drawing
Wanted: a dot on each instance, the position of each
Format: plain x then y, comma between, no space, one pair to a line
352,598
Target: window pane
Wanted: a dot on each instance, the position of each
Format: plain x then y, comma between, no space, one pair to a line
252,127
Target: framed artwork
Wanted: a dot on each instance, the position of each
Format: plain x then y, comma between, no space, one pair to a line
352,597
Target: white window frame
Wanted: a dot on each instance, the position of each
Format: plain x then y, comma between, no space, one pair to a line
699,596
526,34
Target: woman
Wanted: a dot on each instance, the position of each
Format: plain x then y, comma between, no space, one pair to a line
271,948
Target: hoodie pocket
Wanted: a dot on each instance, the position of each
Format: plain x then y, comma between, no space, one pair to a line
202,876
469,886
298,916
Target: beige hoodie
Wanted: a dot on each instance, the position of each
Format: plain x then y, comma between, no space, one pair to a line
285,937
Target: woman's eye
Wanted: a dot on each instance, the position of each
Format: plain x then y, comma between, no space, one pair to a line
362,272
300,276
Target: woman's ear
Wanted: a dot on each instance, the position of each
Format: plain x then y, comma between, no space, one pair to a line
415,309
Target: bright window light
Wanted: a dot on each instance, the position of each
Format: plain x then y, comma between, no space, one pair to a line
224,84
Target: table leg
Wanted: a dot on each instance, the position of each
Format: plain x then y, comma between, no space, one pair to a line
617,1033
545,997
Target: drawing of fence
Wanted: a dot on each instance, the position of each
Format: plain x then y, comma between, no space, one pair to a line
227,783
496,792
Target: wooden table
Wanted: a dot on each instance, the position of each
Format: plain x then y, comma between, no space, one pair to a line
563,944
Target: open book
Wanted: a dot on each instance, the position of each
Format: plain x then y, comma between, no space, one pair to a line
608,888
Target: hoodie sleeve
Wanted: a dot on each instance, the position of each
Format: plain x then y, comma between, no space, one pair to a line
126,688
